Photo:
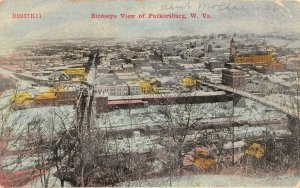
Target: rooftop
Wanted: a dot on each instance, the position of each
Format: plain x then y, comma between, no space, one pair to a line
138,97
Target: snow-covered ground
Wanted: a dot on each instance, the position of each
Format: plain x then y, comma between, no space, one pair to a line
22,84
285,100
150,117
217,181
52,181
52,118
135,144
46,120
135,118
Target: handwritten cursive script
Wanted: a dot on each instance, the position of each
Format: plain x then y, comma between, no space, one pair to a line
223,6
173,6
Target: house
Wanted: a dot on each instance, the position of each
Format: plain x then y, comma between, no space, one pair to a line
58,76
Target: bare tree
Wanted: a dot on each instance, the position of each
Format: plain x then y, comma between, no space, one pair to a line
179,124
14,146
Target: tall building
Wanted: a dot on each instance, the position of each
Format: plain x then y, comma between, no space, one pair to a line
208,48
234,78
232,50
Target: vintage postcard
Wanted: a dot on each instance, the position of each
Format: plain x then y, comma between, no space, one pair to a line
155,93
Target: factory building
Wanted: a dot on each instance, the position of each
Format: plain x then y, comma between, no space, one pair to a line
263,58
256,58
52,97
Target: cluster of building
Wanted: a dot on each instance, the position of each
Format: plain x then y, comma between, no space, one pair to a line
154,66
131,88
52,97
259,58
49,61
171,65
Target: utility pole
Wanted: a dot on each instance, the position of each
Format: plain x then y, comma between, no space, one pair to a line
232,128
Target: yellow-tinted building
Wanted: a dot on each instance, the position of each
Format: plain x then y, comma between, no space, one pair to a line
54,96
22,98
76,73
50,94
46,95
188,82
254,59
146,87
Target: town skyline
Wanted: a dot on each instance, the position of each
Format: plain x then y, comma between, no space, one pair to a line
71,19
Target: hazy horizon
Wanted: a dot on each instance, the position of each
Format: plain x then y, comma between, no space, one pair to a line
70,19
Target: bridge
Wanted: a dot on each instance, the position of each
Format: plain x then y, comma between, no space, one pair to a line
84,107
292,114
256,98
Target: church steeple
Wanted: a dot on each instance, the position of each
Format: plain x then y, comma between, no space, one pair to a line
232,49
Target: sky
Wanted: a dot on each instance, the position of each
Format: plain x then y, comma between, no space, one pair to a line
65,19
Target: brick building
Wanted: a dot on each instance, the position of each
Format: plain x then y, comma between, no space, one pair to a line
234,78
